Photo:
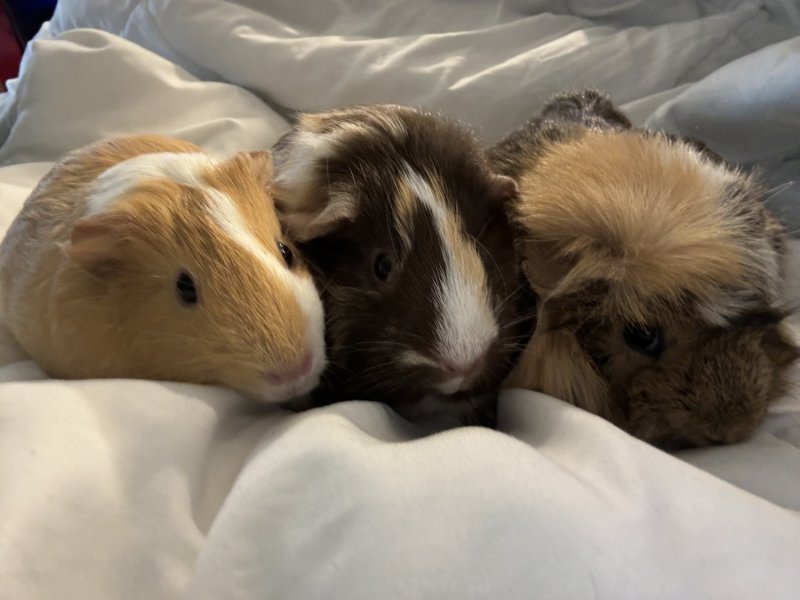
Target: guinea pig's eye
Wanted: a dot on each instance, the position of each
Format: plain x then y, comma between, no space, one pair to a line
186,289
383,266
286,253
645,340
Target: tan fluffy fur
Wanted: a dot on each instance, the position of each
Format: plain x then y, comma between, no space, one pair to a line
642,213
627,228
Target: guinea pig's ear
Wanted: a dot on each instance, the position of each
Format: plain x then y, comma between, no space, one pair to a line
98,241
316,215
587,107
779,345
309,209
698,145
503,189
261,161
544,266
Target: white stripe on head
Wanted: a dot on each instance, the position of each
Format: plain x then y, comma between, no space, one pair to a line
181,167
465,326
188,168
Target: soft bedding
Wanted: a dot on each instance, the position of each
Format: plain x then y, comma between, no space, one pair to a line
134,489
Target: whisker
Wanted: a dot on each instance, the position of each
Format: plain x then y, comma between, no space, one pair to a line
489,254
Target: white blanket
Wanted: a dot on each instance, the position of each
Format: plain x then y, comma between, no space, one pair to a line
133,489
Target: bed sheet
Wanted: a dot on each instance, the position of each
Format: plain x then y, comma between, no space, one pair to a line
687,66
134,489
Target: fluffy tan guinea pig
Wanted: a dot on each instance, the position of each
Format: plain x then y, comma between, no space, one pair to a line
659,272
143,257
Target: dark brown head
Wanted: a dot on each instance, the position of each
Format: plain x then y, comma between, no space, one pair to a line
406,227
659,271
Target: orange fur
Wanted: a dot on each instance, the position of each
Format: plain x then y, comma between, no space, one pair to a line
94,295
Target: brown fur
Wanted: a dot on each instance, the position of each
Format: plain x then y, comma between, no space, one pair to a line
94,296
625,228
370,182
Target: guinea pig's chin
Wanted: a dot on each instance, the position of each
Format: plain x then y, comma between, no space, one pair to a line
276,394
455,385
281,393
451,386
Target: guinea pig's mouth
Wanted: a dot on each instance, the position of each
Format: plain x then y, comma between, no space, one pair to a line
271,391
276,394
454,380
454,384
447,376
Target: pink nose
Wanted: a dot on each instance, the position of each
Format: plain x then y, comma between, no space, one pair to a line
459,369
278,377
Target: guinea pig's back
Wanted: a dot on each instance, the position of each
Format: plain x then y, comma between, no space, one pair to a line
31,254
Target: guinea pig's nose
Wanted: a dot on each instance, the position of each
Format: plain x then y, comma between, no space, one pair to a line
278,377
462,369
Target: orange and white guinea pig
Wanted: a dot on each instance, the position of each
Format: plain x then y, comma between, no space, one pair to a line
143,257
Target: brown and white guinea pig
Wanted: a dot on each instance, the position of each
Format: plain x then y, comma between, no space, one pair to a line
405,227
659,274
143,257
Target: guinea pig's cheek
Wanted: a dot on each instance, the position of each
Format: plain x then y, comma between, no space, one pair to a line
312,319
657,411
651,424
628,369
634,397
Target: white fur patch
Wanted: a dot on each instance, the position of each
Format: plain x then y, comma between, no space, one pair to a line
413,358
725,307
451,386
295,176
466,326
299,159
181,167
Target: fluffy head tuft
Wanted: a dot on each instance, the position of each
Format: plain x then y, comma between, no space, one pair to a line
652,219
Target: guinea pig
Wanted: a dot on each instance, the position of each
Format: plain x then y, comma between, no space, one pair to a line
143,257
406,230
658,271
